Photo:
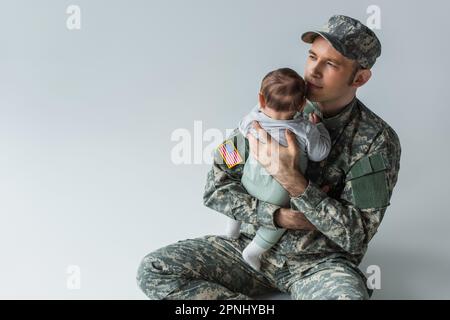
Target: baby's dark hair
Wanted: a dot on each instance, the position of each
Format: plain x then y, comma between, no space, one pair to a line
283,90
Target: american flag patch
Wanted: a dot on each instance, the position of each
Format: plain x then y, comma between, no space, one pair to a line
230,154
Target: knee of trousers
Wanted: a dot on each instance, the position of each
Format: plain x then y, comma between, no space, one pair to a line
157,278
352,289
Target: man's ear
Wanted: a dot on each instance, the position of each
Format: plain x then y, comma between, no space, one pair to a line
361,77
262,101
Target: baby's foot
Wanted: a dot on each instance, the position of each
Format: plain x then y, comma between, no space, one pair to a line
252,254
252,260
233,230
228,236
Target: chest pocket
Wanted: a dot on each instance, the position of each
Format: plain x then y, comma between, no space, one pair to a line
369,182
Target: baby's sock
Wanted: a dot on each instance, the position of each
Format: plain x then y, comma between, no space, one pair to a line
252,254
233,229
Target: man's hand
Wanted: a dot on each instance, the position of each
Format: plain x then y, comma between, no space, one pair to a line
295,220
290,219
314,118
279,161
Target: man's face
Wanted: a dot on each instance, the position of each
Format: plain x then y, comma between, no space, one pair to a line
327,73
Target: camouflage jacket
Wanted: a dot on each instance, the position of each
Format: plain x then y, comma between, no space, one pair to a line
361,170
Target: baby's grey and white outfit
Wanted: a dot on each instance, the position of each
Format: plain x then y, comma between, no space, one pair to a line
313,140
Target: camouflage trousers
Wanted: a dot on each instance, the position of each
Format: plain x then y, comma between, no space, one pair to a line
212,267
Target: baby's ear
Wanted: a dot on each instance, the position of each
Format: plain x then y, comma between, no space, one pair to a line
262,101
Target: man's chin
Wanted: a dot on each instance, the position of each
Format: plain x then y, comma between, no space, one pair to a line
313,97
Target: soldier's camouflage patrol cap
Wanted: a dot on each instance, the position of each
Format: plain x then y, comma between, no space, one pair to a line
351,38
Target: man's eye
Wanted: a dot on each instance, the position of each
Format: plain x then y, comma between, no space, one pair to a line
312,57
332,64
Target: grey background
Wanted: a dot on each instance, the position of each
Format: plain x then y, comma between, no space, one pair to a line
86,117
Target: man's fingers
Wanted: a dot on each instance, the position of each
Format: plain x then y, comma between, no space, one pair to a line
316,119
299,221
253,142
291,140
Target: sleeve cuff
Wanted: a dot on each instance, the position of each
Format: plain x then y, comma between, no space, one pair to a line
264,213
309,199
321,125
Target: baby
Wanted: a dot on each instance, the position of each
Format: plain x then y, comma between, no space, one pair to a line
281,101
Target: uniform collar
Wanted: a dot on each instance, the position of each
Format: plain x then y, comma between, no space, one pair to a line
336,124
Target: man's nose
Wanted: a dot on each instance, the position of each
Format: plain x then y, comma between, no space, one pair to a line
316,71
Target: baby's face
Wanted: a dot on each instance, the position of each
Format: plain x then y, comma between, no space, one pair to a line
278,115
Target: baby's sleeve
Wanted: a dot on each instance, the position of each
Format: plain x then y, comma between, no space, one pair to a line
318,142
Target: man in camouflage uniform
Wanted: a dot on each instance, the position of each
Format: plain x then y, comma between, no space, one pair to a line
336,208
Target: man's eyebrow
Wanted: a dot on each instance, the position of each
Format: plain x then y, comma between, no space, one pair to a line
336,62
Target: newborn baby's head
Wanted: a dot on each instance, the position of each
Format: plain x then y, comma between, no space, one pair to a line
282,94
